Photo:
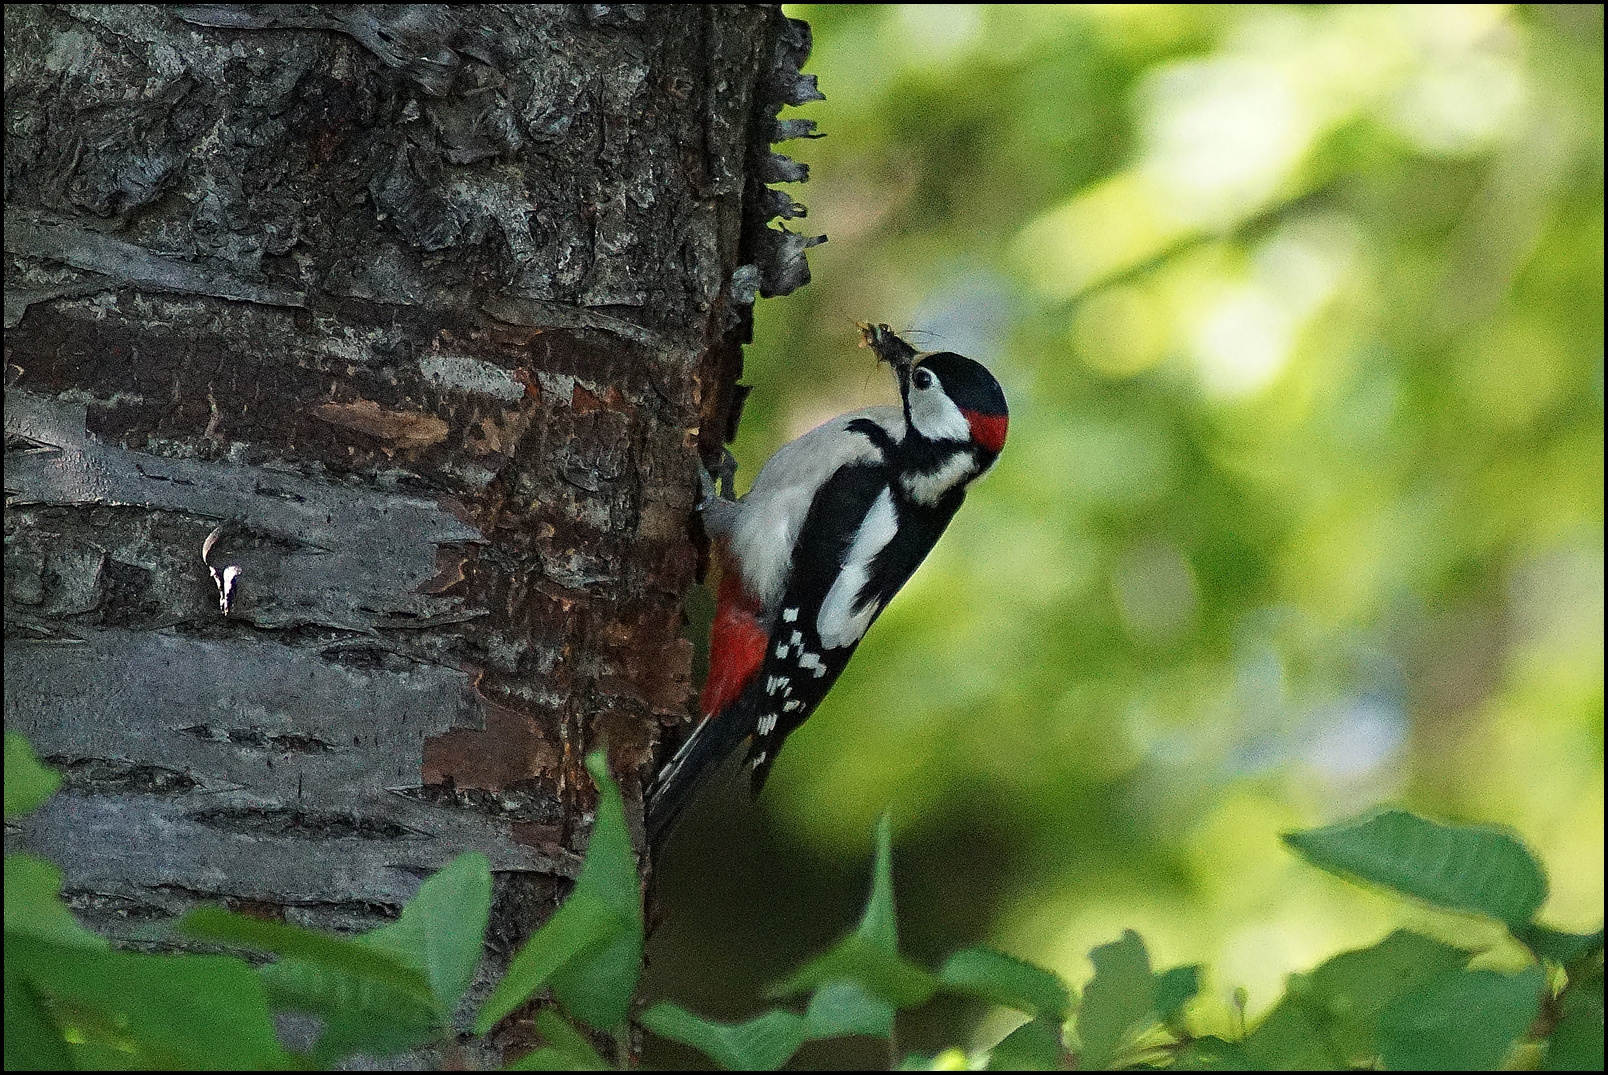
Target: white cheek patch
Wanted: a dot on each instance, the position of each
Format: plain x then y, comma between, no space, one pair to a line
935,415
930,488
842,620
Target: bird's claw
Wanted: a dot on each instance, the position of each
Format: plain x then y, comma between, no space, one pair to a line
725,474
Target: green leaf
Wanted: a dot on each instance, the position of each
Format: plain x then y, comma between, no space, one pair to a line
1460,1021
879,924
308,946
442,929
28,783
1575,1045
1033,1046
1556,945
1462,868
1004,980
868,959
860,960
1345,996
1118,1000
162,1012
34,907
590,951
1175,989
566,1050
839,1009
360,1015
764,1043
33,1040
575,930
1289,1038
1210,1053
1576,1042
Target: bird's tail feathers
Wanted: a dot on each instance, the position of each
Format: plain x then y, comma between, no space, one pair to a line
709,744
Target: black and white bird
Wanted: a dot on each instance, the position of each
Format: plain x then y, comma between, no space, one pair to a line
834,524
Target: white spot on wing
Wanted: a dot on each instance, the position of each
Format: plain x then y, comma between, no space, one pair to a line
797,639
759,759
767,723
773,682
792,705
811,660
842,619
790,615
781,649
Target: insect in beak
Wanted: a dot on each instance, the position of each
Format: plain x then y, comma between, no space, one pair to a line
889,348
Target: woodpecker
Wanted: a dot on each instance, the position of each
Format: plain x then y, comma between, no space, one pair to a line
834,524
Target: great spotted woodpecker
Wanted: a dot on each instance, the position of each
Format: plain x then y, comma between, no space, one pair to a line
835,523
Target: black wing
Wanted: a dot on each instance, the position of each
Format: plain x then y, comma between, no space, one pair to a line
798,670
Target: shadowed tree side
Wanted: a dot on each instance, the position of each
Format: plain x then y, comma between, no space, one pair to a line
428,312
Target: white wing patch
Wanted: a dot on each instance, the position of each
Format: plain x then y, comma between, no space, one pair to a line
842,620
766,523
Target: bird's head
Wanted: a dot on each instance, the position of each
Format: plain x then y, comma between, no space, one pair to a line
946,396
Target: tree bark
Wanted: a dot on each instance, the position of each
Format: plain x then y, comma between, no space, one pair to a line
430,311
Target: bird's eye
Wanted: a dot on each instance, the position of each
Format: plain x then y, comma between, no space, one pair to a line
923,379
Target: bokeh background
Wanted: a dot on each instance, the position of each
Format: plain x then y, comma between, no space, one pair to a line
1300,315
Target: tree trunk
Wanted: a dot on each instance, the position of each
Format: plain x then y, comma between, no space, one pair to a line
429,311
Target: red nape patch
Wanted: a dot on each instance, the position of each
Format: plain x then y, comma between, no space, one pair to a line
988,429
737,646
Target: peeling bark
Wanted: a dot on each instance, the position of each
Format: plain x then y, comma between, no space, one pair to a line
429,313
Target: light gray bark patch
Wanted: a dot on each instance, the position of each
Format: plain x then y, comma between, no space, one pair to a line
540,314
309,552
125,263
464,374
256,815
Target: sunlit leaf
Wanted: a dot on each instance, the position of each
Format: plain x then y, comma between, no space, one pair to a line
1118,1000
1461,868
1289,1038
1461,1021
1004,980
1174,989
359,1014
1033,1046
763,1043
1346,994
1556,945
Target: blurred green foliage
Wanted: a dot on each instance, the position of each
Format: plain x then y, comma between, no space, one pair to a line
1300,315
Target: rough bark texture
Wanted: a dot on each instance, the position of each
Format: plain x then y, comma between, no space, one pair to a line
433,309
